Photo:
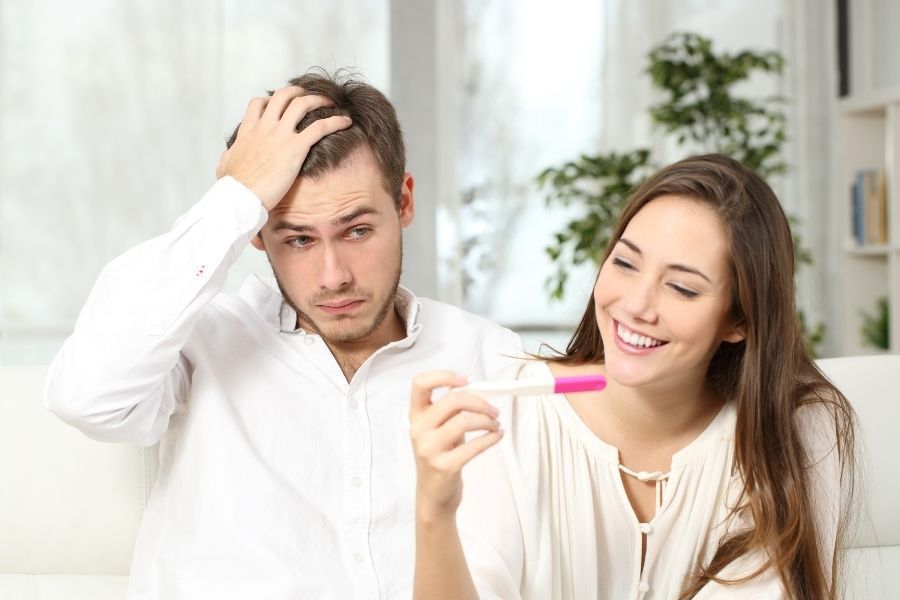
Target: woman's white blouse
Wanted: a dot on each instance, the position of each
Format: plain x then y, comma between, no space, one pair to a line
545,515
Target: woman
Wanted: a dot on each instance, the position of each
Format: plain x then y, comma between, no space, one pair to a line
714,464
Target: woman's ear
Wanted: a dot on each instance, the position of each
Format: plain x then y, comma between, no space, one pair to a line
737,333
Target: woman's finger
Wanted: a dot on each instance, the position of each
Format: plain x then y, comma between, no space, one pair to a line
424,383
452,433
454,460
450,405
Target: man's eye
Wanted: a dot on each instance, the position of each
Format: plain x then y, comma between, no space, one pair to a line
299,241
358,232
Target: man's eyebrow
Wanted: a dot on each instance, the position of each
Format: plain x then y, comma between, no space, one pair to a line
292,226
674,267
352,216
342,220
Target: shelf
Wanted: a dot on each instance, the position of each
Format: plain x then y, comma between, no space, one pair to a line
869,251
869,105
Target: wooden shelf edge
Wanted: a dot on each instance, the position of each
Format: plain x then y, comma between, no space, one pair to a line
870,103
869,251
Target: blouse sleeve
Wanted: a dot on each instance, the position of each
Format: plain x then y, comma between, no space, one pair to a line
490,518
766,586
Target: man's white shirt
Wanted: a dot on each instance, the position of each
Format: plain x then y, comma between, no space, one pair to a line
278,479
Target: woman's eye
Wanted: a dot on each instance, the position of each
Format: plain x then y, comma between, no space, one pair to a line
622,264
299,241
358,232
684,292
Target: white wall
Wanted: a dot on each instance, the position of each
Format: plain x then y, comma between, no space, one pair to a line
112,118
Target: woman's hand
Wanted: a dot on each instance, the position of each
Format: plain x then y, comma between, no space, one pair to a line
438,431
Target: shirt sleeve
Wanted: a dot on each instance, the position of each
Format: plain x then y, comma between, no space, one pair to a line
122,373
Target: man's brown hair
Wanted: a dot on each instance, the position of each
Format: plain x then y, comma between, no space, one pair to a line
375,125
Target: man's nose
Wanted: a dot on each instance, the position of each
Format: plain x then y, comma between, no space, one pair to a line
335,272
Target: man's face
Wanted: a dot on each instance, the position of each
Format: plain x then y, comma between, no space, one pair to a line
335,246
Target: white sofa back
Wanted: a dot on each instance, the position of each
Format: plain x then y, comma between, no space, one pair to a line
69,506
870,383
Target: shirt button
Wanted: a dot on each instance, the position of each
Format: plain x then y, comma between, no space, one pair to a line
309,340
646,528
643,587
356,481
354,405
358,557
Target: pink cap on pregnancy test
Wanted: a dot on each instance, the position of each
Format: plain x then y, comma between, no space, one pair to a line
581,383
538,387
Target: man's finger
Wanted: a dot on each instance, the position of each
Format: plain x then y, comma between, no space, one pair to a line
424,383
322,127
300,106
254,111
279,102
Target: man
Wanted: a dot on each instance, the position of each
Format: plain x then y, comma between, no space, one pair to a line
285,467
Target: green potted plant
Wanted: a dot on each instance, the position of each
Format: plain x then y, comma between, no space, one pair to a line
874,330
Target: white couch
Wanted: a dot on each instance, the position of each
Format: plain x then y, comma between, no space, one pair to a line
70,507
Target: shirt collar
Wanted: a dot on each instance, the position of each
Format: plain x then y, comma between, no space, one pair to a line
262,293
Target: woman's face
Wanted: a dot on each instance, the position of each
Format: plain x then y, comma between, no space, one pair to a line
663,295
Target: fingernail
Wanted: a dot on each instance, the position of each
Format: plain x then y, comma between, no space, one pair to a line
494,410
462,376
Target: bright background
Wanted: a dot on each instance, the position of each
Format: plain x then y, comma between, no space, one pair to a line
113,114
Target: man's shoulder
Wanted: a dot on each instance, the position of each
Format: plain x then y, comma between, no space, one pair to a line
436,314
447,326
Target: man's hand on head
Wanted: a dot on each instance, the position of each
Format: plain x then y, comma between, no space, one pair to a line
268,152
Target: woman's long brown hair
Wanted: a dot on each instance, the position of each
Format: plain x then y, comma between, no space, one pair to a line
770,375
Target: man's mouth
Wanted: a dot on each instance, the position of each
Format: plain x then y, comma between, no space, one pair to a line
343,306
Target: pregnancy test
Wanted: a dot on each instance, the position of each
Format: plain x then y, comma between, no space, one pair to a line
537,387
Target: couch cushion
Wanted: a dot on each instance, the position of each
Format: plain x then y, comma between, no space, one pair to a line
68,504
873,573
869,384
62,587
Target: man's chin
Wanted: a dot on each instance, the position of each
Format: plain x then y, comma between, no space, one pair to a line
348,330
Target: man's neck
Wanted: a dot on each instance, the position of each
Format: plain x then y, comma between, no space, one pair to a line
350,356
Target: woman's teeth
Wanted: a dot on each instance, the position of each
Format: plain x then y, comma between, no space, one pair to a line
639,341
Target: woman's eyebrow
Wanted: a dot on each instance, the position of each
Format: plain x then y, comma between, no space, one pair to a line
674,267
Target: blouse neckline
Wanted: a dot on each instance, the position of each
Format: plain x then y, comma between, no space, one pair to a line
720,428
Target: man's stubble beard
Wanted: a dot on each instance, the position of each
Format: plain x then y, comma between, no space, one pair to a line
363,330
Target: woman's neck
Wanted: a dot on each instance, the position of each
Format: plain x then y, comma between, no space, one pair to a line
665,417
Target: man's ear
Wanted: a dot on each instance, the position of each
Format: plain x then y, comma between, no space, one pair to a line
257,242
407,207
